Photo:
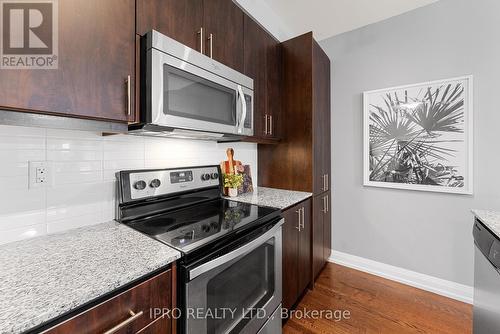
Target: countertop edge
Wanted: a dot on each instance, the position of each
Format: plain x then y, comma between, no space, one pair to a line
84,307
281,199
490,218
50,312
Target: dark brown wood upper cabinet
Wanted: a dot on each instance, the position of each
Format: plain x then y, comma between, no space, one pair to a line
96,56
220,29
321,118
178,19
263,65
302,158
213,27
274,72
223,32
256,46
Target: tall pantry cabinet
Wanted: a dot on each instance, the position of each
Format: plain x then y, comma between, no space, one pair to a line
302,160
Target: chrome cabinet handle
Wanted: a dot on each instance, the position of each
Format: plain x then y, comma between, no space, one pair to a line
210,40
265,124
200,32
327,203
303,218
300,218
128,83
133,317
270,124
324,205
326,183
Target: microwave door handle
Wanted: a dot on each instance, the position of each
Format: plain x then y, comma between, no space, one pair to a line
248,247
238,110
244,110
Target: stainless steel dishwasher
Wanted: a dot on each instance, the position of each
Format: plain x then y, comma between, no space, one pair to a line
486,280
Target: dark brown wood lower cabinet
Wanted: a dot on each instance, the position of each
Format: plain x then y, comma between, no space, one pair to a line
327,228
132,310
296,252
321,232
160,326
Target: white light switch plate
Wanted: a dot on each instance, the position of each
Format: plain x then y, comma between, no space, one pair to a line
40,174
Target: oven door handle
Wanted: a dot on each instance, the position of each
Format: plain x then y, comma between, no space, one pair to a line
193,273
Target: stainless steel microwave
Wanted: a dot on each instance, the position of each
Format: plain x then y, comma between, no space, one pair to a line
187,94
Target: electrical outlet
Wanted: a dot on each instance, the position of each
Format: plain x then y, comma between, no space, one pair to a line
40,174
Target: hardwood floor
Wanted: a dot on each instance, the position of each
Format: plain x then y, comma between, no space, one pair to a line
378,305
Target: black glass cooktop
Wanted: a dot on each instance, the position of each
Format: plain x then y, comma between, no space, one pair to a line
197,225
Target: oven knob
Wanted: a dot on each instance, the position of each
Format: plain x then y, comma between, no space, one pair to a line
214,176
205,228
140,185
205,177
155,183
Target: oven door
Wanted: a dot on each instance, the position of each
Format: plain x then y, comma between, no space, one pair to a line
238,291
184,96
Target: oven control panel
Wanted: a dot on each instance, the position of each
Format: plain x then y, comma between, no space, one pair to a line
151,183
183,176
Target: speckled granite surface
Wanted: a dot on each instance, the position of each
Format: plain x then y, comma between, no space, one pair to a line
45,277
490,218
275,198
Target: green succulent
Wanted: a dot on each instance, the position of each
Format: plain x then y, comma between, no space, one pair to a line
233,180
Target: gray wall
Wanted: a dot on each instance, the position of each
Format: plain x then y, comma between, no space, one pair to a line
421,231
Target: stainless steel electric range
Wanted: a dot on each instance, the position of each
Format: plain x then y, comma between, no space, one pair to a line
230,272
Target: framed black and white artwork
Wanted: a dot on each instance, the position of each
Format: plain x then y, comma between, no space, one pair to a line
419,137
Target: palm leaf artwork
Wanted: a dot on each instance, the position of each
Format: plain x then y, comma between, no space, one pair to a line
410,138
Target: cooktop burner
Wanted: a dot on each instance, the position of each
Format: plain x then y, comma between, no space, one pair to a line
196,225
183,208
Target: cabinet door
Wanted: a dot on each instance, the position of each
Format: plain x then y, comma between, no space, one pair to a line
162,326
321,116
290,257
318,233
273,82
223,23
325,86
180,20
304,265
96,49
154,293
327,228
256,47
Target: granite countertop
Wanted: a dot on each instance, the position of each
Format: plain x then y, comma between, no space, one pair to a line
45,277
490,218
275,198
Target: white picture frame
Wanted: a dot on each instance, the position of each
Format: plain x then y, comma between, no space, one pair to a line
420,143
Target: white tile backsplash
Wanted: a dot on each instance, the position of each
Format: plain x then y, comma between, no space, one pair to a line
84,166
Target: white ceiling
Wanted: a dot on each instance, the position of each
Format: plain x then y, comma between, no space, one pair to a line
327,18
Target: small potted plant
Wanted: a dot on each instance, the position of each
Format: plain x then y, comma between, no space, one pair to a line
233,181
